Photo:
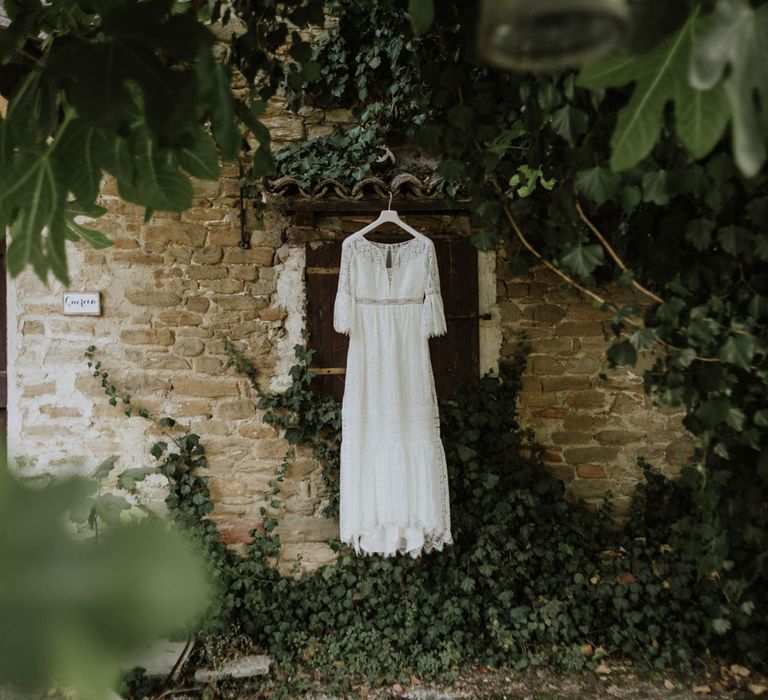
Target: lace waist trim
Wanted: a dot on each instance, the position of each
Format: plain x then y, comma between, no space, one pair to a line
388,302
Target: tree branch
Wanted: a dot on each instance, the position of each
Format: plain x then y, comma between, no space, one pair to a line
614,254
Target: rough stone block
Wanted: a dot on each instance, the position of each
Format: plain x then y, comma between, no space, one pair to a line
137,257
272,314
183,233
297,528
590,471
208,365
247,273
579,329
222,236
189,347
241,302
618,437
552,346
58,411
206,272
147,336
180,318
153,297
586,399
582,365
591,454
209,387
569,437
578,422
546,365
552,412
259,256
237,409
208,255
548,313
313,556
223,286
31,391
199,304
564,383
679,452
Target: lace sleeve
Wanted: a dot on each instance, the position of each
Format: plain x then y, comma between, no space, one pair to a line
343,308
433,314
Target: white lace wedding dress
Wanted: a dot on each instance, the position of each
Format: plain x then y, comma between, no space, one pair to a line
394,483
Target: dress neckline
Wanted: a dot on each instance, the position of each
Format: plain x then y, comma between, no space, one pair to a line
389,245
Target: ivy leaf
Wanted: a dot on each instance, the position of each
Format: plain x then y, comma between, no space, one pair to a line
622,353
699,233
422,14
310,71
599,184
102,471
735,38
643,338
660,76
108,507
130,477
721,625
583,259
570,123
484,240
739,350
735,239
655,187
717,410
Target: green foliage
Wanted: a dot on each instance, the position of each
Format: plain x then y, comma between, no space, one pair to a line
529,580
660,76
73,607
735,40
125,88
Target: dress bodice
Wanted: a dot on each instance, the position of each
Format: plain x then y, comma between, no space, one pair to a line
373,273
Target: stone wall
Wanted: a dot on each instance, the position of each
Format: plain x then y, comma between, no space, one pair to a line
591,422
174,287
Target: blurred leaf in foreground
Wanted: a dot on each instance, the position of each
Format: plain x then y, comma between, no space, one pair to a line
72,609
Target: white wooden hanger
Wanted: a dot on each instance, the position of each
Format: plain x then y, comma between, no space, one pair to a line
387,215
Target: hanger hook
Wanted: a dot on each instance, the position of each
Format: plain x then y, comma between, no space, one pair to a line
389,206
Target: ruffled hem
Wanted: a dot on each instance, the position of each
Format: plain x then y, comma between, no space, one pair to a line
433,316
343,313
391,540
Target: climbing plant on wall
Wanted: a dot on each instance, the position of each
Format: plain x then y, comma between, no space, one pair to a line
530,579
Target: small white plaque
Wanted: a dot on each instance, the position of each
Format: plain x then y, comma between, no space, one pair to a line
82,303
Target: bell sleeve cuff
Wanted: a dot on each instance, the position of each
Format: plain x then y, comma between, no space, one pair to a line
433,316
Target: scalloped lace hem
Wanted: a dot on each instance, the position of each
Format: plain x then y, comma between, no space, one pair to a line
432,541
